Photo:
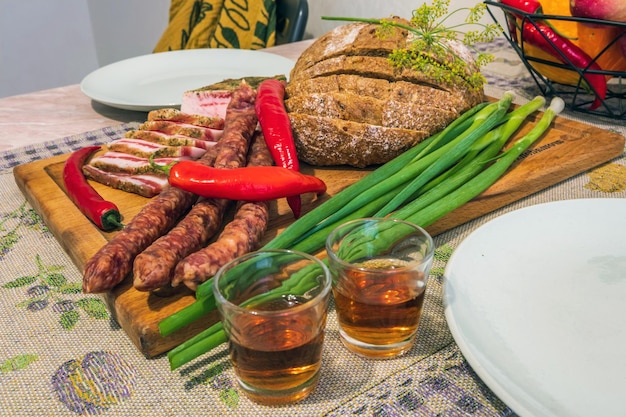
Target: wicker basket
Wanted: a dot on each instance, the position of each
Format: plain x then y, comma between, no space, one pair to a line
576,95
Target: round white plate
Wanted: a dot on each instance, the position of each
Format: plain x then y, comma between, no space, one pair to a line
159,80
536,301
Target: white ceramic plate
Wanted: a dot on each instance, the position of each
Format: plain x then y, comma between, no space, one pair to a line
159,80
536,301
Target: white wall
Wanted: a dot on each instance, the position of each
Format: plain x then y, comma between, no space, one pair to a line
43,44
378,9
51,43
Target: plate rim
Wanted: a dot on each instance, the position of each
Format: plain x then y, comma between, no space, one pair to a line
138,105
493,383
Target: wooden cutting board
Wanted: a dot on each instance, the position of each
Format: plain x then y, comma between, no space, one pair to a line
567,149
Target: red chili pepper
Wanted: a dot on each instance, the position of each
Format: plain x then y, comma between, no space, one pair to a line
254,183
524,6
103,213
276,127
543,36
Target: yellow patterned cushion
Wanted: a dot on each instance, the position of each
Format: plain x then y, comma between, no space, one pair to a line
242,24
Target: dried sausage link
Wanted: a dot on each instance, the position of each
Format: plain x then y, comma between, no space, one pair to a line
241,122
113,262
242,235
154,267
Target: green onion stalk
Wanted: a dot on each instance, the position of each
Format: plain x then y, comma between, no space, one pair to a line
470,166
299,283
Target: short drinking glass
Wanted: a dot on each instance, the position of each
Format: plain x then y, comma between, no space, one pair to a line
379,269
273,305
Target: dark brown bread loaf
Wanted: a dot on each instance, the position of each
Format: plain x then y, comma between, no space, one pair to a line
349,106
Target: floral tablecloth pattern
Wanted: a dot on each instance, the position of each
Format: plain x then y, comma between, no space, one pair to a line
61,353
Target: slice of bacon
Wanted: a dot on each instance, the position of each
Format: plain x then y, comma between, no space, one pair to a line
146,149
147,185
212,103
174,115
123,163
184,129
169,140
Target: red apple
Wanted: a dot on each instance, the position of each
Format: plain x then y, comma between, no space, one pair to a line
614,10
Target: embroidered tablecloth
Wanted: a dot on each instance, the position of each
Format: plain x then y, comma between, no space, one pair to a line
61,353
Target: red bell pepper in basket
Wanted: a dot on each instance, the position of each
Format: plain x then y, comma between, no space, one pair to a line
276,127
541,35
103,213
254,183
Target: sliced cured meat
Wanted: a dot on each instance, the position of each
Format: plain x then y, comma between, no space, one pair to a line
212,100
184,129
169,139
123,163
146,149
212,103
146,185
175,115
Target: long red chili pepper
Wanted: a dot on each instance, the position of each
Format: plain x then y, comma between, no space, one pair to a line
103,213
276,127
543,36
255,183
525,6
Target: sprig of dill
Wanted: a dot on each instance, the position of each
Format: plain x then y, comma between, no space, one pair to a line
430,52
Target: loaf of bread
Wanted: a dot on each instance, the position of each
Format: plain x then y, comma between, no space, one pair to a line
349,106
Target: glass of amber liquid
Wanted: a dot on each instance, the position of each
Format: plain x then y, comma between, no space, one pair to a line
273,305
379,270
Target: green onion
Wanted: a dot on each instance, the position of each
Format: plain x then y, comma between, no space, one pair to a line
482,124
187,315
422,185
362,192
475,160
429,214
297,229
298,284
197,345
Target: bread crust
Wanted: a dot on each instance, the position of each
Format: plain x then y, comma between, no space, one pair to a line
338,142
349,106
